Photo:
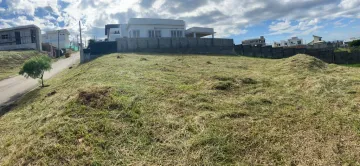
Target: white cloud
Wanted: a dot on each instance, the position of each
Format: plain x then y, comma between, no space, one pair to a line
228,17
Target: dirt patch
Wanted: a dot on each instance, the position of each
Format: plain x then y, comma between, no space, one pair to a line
223,85
94,97
51,93
234,115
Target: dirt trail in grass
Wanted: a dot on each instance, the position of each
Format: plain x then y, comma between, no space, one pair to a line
13,88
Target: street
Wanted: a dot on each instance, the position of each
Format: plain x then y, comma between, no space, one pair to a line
13,88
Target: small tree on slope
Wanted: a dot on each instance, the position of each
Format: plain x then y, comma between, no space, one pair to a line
36,67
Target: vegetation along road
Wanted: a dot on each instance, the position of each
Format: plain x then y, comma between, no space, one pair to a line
12,88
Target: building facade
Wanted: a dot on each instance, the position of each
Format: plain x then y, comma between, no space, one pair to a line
317,43
21,38
154,28
57,38
294,41
255,42
114,31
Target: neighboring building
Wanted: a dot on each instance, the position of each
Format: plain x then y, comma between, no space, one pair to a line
114,31
337,43
276,44
154,28
293,42
57,38
317,43
19,38
255,42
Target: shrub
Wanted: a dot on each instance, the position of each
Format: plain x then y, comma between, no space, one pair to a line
355,43
36,67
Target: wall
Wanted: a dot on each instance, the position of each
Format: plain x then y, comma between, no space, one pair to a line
176,45
30,46
327,55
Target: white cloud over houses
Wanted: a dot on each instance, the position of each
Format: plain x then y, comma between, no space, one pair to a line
228,17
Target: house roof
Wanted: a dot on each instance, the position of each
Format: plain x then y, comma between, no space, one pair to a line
19,27
155,21
317,36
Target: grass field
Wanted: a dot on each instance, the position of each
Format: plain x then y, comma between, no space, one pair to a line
129,109
11,62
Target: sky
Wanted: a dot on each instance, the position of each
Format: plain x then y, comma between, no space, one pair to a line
238,19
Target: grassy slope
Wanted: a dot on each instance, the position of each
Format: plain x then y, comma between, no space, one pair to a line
188,110
11,62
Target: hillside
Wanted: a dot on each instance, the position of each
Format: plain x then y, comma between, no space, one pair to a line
11,62
130,109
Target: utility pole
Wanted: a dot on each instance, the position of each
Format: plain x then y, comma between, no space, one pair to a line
77,41
58,42
81,47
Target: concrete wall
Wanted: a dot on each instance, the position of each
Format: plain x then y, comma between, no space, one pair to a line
176,45
327,55
30,46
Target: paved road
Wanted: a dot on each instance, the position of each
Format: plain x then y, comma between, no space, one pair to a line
13,88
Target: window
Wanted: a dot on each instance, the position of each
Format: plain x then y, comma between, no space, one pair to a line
135,33
4,37
299,42
33,36
176,33
154,33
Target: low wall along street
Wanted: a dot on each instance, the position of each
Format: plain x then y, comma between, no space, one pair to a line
176,45
327,55
161,45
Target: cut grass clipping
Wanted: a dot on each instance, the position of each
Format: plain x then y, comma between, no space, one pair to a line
182,110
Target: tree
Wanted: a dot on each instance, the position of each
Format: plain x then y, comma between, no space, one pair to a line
36,67
355,43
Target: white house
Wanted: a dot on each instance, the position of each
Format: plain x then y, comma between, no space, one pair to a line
294,41
22,37
114,31
57,38
154,28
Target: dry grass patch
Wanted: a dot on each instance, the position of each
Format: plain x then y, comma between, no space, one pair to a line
181,110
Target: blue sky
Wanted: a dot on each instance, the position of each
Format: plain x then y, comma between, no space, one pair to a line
238,19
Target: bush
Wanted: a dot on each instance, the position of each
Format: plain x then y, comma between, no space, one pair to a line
355,43
36,67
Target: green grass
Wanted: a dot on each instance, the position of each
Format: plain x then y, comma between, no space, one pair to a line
188,110
11,62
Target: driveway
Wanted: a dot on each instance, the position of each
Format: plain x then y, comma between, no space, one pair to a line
13,88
